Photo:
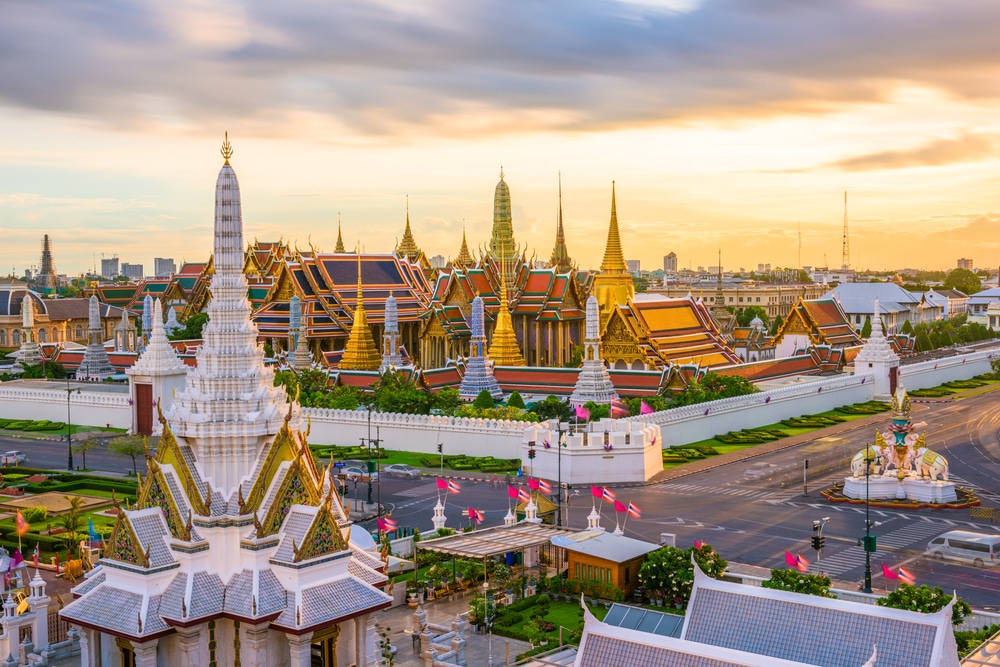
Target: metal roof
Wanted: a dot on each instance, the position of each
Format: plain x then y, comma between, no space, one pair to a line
606,546
645,620
494,541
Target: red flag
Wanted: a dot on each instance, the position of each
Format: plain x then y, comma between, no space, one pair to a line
791,560
387,524
596,492
453,486
523,494
698,543
906,576
582,413
618,408
22,525
802,564
532,484
888,573
644,408
607,494
512,492
442,483
619,506
544,487
476,516
633,510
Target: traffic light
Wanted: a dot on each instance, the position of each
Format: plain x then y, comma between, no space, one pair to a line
440,448
818,541
807,464
868,542
531,454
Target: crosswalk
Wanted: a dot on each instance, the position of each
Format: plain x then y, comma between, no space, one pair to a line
915,534
695,489
418,491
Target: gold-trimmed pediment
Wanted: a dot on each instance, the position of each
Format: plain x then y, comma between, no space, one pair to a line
323,537
169,453
155,492
125,546
297,488
283,448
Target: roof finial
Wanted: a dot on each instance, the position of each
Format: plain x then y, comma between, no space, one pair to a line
227,148
501,172
360,297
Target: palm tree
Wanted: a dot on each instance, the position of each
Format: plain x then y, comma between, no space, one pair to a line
70,523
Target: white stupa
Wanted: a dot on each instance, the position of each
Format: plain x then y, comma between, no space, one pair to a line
155,377
593,383
95,365
30,353
391,358
878,358
478,370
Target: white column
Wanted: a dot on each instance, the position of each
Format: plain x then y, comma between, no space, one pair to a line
87,644
299,649
189,641
254,645
372,656
145,653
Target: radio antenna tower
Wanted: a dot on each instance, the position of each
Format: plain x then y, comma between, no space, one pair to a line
847,242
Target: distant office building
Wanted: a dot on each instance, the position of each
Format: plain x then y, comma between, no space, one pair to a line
632,265
763,268
965,263
27,275
109,268
670,263
132,270
164,266
437,262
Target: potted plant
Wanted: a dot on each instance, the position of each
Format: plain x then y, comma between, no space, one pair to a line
658,598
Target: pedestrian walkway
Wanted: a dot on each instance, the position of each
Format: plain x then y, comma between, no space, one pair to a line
696,489
915,534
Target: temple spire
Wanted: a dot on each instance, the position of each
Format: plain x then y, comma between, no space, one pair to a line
503,248
464,258
560,254
408,246
340,239
360,353
614,258
504,350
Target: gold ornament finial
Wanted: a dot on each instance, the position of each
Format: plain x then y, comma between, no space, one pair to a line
227,148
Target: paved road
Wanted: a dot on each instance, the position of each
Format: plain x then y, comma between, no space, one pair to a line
51,454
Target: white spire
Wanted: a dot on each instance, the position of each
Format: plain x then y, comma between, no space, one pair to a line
27,311
94,312
391,358
159,357
593,383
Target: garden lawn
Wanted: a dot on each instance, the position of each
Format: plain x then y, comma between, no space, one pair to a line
569,615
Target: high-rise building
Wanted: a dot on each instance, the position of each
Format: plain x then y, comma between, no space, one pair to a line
965,263
132,270
164,266
670,263
632,265
109,268
438,262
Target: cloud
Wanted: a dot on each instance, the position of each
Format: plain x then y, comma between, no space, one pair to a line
967,148
451,67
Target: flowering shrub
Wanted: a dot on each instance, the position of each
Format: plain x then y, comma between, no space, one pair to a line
799,582
669,571
925,599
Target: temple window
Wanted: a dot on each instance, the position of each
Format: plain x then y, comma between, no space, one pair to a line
15,337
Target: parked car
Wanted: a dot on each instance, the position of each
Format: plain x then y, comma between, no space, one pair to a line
13,458
760,470
401,470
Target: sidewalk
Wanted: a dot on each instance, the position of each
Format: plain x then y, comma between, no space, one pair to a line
477,646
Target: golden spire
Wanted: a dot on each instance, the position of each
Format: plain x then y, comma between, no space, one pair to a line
464,258
340,239
504,350
408,247
614,258
227,148
360,353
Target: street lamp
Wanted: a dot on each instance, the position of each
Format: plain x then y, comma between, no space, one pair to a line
69,427
563,427
488,610
818,541
868,541
569,501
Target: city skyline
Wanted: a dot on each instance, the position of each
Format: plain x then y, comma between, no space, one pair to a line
112,120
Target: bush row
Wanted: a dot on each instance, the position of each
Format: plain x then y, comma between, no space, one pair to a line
752,436
462,462
31,425
869,408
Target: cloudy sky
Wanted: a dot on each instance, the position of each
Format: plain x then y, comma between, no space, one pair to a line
725,124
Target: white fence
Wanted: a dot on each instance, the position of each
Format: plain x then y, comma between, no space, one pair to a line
938,371
91,408
691,423
418,433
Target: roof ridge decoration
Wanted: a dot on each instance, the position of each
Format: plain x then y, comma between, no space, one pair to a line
464,258
340,239
614,257
154,491
560,260
169,453
125,544
282,448
297,488
408,246
323,536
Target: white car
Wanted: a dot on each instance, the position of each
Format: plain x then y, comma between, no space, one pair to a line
401,470
13,458
357,474
760,471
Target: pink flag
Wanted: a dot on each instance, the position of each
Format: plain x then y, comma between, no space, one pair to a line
16,559
698,544
618,408
475,516
790,560
442,483
633,510
544,487
596,492
644,408
532,484
888,573
381,525
906,576
453,486
607,494
802,564
523,494
619,506
582,413
512,492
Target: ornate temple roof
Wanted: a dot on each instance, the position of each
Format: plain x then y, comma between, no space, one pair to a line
823,320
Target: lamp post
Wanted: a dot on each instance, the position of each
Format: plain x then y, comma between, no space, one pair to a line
488,609
569,501
868,541
563,428
69,427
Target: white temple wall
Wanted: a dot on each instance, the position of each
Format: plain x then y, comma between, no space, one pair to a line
937,372
418,433
634,454
277,649
91,408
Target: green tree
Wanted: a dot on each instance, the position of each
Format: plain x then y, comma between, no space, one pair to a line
575,357
483,400
83,446
669,571
192,328
925,600
776,324
866,328
964,281
46,369
70,522
924,342
447,401
396,392
552,407
131,446
515,401
713,386
907,328
746,316
799,582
